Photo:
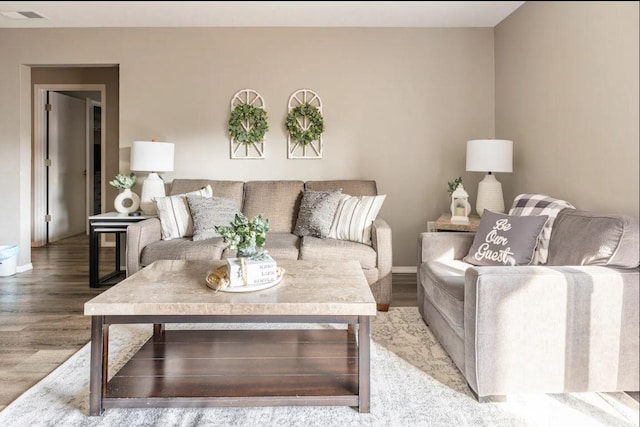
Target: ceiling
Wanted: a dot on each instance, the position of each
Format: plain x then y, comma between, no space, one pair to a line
63,14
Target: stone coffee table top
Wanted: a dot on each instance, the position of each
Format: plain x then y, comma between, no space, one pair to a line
179,288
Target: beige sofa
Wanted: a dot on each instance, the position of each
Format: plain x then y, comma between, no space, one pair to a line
555,328
279,202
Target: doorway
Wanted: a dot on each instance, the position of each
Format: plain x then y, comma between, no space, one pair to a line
68,159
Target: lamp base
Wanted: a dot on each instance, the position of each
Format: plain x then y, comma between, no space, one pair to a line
489,195
152,187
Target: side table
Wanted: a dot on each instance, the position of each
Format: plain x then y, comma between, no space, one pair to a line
111,222
444,224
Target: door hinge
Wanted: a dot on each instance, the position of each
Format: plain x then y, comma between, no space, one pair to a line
47,162
47,218
47,107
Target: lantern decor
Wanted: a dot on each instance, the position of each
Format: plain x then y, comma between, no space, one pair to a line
460,207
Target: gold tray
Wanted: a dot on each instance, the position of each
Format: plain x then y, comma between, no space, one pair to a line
218,280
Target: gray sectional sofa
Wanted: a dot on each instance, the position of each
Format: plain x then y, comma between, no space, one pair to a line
568,326
279,202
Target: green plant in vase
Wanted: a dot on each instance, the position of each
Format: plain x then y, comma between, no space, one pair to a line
124,182
127,201
243,235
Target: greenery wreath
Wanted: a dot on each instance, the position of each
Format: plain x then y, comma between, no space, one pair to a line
256,118
316,124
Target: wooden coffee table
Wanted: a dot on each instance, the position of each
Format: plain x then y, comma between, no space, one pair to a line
253,367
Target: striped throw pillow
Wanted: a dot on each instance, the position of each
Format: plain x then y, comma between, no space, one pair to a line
175,216
354,217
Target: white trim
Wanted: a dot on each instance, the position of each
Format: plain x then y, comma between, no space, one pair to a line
39,193
39,184
407,270
23,268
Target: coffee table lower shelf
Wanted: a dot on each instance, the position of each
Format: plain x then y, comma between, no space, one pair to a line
198,368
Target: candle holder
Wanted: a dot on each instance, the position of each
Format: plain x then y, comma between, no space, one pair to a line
460,207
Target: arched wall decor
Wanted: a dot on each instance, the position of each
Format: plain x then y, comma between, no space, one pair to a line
306,122
246,123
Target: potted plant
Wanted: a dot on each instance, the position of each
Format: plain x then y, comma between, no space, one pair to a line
243,235
125,182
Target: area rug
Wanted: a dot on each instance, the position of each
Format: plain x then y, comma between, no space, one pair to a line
414,383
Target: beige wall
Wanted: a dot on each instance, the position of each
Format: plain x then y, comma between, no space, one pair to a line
399,105
567,94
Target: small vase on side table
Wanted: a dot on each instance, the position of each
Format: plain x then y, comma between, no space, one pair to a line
127,194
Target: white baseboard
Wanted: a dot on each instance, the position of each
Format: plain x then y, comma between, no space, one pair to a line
23,268
408,269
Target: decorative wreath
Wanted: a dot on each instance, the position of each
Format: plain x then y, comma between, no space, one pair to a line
315,128
256,120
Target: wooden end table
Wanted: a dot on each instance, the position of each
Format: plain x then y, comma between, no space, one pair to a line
444,224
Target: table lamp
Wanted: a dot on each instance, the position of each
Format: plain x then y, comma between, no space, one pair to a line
152,157
489,155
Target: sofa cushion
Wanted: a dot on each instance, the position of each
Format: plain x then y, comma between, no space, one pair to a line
228,189
277,201
350,187
186,249
443,283
540,204
316,213
279,245
354,218
208,213
282,245
505,240
587,238
316,249
174,214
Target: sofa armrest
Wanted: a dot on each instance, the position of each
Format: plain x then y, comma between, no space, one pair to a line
140,235
381,241
382,244
551,329
443,246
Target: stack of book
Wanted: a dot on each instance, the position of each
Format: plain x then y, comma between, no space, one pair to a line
256,270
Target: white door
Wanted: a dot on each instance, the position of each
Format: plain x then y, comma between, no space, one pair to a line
67,173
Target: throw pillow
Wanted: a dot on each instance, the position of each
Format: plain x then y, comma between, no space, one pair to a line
505,240
208,212
175,218
590,238
354,217
540,204
316,212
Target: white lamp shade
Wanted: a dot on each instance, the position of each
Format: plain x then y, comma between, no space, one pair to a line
490,155
152,156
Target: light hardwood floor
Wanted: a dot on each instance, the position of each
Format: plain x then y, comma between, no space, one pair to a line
41,312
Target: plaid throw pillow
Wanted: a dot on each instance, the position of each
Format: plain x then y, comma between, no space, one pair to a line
540,204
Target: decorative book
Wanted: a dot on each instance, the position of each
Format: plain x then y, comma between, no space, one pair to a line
249,271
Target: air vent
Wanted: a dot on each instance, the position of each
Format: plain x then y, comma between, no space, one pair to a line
28,14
